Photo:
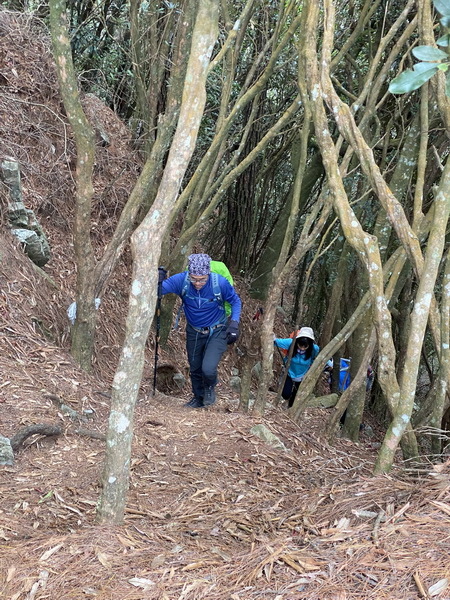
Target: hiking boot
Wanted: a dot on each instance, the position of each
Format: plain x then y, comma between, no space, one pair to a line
195,403
210,397
191,401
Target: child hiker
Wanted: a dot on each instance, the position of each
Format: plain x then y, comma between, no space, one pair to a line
305,351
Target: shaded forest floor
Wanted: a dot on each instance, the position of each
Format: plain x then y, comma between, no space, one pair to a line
213,512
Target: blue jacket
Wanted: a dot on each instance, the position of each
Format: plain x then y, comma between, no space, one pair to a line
200,306
299,365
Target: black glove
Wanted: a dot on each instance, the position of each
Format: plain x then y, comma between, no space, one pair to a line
232,332
162,274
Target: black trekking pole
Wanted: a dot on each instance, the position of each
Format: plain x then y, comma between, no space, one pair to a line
161,276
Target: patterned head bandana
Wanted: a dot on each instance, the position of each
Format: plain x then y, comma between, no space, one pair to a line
199,264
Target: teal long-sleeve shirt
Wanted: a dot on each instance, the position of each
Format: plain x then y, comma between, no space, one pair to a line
299,364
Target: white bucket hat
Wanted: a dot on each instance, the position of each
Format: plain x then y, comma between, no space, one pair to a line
306,332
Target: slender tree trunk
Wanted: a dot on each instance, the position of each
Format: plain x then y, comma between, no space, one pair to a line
336,295
146,248
83,330
351,398
262,277
363,345
364,244
419,318
439,406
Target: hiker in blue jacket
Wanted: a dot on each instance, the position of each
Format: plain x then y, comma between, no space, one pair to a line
208,329
305,351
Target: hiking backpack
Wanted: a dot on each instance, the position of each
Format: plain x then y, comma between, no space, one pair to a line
217,268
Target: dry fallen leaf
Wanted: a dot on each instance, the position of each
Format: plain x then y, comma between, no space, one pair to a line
141,582
10,574
48,553
104,559
438,587
158,561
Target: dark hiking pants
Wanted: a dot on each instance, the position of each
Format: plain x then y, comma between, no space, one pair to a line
204,350
290,390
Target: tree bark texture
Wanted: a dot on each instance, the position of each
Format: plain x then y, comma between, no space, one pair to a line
83,330
146,247
440,406
419,318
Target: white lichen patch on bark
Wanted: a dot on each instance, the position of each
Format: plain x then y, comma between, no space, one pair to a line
136,287
119,422
315,92
155,216
120,377
423,305
204,58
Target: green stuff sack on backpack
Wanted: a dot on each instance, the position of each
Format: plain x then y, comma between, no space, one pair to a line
221,269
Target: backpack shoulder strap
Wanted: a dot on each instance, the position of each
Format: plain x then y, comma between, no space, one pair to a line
185,285
216,288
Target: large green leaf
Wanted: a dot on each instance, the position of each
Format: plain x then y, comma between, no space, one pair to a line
424,66
429,53
445,21
408,81
442,6
443,41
